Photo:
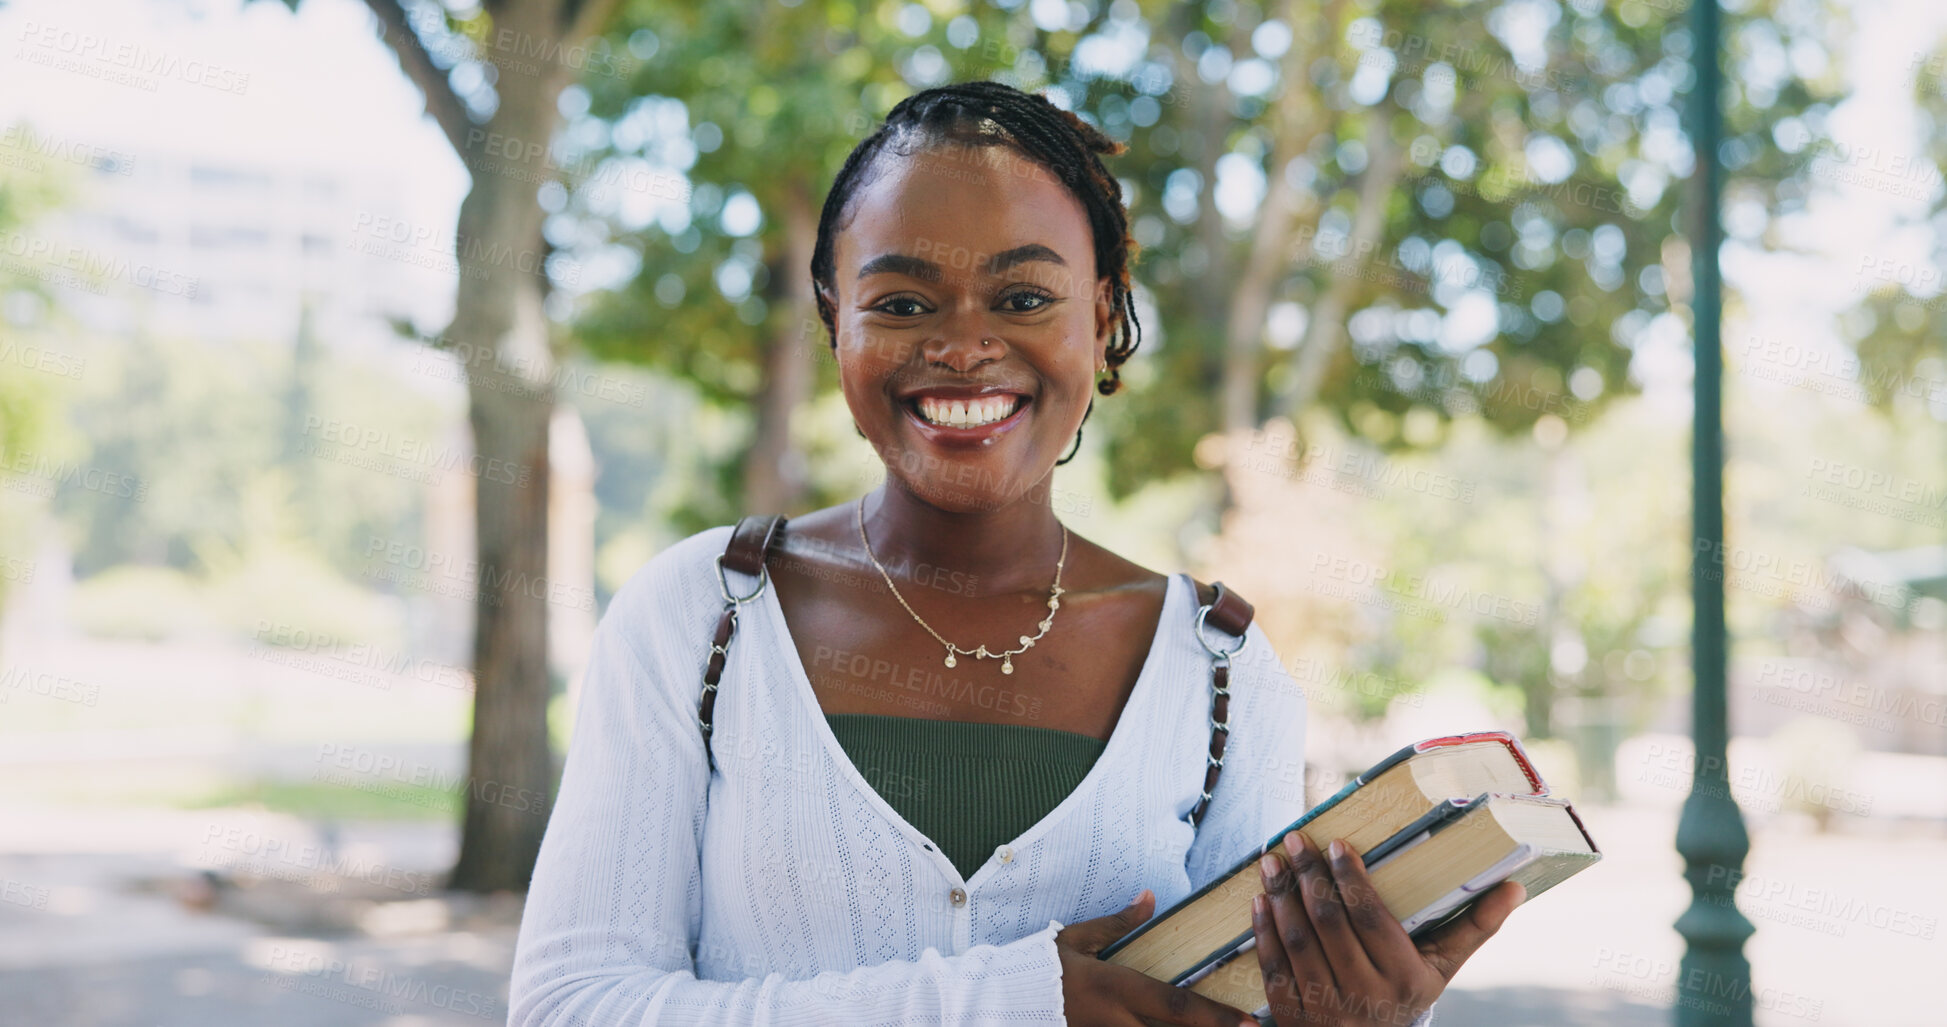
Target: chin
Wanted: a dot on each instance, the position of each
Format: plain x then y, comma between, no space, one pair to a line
961,485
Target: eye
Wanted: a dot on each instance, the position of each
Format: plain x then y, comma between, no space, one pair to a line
887,306
1037,298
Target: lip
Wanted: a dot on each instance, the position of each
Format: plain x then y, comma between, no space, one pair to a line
956,438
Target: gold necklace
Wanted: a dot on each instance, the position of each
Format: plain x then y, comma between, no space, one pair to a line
1006,658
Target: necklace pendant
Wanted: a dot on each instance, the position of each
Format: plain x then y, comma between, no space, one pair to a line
949,658
1007,664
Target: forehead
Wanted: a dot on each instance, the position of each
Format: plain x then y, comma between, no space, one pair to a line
968,199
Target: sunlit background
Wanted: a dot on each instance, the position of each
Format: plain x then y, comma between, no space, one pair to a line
1416,326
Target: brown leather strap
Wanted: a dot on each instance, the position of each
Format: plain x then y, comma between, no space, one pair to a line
749,543
1228,612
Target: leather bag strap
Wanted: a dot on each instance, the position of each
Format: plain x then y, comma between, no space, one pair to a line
1227,612
750,542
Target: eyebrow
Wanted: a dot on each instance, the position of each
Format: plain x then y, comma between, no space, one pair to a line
917,267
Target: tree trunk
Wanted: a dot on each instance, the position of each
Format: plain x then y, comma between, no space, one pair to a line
1326,331
499,321
510,772
773,472
501,332
1250,302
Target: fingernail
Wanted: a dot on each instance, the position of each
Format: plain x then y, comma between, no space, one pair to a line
1294,843
1138,900
1257,906
1338,851
1269,864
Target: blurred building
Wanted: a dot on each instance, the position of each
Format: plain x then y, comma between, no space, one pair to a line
229,249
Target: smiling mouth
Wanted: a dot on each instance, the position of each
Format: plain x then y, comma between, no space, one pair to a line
970,413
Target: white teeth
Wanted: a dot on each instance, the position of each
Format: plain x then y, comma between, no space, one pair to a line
966,413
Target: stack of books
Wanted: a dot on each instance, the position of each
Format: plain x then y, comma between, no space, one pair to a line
1438,823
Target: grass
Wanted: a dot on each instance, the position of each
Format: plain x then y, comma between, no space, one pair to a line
383,800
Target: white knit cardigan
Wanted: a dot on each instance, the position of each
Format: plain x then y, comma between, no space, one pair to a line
781,889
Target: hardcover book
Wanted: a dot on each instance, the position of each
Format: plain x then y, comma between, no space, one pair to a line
1438,823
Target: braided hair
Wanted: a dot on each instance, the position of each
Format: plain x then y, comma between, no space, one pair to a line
994,114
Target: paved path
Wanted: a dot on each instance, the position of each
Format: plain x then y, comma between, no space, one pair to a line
107,920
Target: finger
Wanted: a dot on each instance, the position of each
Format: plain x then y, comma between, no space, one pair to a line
1352,969
1151,999
1291,925
1092,936
1386,943
1451,945
1281,991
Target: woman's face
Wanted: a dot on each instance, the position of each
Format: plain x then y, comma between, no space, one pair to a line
947,247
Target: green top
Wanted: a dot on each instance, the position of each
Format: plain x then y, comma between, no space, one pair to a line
969,787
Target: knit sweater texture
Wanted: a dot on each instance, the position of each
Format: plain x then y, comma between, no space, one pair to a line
781,889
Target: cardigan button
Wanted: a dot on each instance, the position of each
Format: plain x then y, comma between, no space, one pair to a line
959,896
1006,854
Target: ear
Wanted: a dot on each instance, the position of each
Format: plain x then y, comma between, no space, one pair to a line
830,299
1105,319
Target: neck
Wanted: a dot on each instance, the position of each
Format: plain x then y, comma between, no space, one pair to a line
1008,549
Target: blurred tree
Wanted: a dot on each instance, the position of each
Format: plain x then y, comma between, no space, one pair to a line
752,108
177,422
1900,328
493,73
28,363
1475,198
1413,213
1449,209
300,406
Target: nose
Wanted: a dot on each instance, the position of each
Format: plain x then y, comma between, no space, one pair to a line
963,346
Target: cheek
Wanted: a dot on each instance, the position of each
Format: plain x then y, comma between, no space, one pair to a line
862,374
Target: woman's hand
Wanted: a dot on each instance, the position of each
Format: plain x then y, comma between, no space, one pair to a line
1098,993
1332,954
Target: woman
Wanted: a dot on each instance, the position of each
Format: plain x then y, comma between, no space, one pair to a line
972,268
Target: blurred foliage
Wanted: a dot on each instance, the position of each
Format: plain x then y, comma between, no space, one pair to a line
137,601
655,459
198,495
32,371
1565,561
1534,144
1899,328
1817,757
1518,252
194,430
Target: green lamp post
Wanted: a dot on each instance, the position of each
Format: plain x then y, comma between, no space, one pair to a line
1713,983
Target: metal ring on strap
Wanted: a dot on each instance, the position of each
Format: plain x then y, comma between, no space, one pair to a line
723,584
1222,654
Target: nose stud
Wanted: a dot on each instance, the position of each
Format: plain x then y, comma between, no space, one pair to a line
984,342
